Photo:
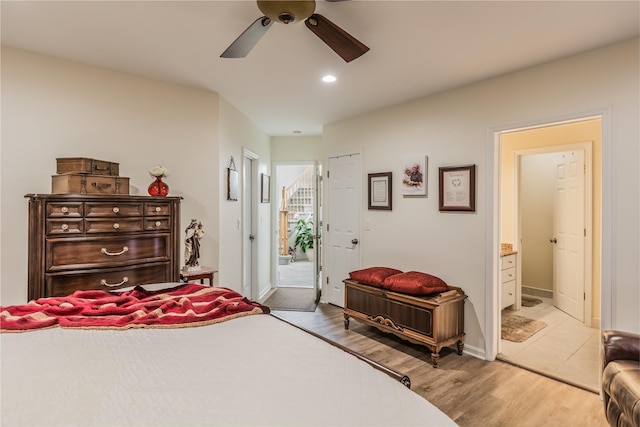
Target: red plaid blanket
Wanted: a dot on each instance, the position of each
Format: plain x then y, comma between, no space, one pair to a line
182,306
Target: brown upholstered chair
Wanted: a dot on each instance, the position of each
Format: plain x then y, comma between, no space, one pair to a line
621,378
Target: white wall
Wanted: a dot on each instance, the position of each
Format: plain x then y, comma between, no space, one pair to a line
55,108
236,133
456,128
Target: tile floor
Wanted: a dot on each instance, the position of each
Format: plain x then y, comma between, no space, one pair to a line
297,274
565,349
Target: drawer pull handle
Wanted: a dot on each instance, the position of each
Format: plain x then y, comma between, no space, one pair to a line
158,223
106,252
65,210
103,282
116,209
158,208
116,225
65,227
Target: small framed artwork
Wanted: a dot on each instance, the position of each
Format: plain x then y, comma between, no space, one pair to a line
380,194
232,184
265,186
414,176
458,188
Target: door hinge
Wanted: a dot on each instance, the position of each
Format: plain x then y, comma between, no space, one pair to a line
327,280
584,296
327,226
585,232
327,174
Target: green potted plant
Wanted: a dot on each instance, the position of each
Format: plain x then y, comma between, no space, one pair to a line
304,234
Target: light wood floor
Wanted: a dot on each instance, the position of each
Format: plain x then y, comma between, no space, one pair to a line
471,391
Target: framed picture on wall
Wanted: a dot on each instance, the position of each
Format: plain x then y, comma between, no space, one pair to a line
265,188
232,184
458,188
414,176
380,194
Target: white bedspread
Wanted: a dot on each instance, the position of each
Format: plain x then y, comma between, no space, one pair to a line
251,371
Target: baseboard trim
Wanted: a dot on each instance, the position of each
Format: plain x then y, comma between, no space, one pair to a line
537,292
476,352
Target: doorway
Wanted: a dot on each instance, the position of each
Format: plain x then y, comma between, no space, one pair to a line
297,264
534,164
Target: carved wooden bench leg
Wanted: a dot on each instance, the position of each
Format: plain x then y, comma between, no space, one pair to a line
346,322
460,345
434,359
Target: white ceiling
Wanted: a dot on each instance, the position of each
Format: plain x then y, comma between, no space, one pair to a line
417,47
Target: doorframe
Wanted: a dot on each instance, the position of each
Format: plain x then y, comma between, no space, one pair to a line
247,228
587,147
492,220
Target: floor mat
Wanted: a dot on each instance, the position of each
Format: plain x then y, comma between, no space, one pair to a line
292,299
530,301
518,328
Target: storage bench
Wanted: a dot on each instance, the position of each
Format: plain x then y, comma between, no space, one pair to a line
435,321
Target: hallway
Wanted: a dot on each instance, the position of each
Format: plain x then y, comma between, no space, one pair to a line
566,349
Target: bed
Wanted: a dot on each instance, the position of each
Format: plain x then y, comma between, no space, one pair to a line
241,370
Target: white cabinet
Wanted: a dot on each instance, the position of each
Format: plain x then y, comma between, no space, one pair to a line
509,283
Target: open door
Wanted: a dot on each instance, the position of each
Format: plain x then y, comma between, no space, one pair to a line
569,234
344,181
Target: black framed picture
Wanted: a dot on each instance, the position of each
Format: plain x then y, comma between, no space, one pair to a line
458,188
232,184
380,191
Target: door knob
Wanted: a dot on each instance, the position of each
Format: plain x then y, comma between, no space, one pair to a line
354,241
553,240
251,237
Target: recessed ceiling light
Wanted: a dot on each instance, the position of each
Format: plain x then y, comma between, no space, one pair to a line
329,78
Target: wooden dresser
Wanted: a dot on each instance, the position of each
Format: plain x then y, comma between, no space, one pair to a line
433,321
101,242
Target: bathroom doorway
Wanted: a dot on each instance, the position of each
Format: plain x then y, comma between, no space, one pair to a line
532,162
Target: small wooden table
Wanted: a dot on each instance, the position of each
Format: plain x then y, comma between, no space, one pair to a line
201,274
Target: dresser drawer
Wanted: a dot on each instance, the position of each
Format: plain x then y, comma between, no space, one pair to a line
112,209
157,208
107,279
116,225
508,293
508,274
64,210
68,254
157,224
508,261
64,226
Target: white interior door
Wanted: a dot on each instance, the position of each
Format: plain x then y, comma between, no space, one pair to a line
344,181
249,225
569,234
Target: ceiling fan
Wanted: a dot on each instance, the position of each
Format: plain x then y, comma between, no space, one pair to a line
291,11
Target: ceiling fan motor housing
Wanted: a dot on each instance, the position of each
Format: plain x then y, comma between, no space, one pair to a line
287,11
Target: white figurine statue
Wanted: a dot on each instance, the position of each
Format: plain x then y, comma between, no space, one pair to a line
193,234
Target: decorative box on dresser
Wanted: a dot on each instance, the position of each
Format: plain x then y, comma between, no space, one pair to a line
509,283
81,242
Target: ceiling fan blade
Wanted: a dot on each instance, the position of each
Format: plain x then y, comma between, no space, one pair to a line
345,45
248,39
